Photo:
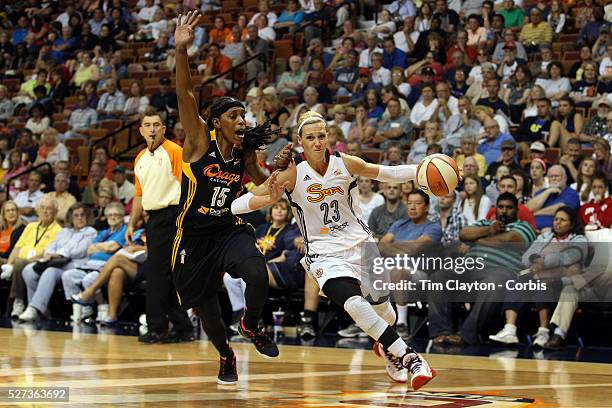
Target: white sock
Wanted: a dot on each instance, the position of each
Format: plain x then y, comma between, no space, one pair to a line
398,348
365,317
402,314
510,327
560,332
385,310
234,291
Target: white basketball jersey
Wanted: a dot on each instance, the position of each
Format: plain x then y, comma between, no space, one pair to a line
326,208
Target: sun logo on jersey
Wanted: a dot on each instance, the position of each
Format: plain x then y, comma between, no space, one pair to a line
320,193
213,171
318,273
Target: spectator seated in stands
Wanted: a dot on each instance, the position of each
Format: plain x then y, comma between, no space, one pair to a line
11,228
15,166
432,134
536,32
29,248
385,215
508,184
62,197
424,109
547,201
494,101
597,213
468,149
501,245
568,124
588,89
491,146
26,90
291,82
84,117
125,188
27,200
99,268
395,128
165,98
555,254
275,240
394,155
459,124
38,121
451,218
597,125
156,59
86,71
345,77
474,204
584,179
413,237
508,158
137,104
111,102
68,249
51,150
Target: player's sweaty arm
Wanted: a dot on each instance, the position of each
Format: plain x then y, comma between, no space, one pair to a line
267,193
387,174
196,131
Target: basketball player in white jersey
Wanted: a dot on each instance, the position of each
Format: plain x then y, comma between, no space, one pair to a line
322,190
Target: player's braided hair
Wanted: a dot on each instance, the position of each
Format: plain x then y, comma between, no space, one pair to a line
255,138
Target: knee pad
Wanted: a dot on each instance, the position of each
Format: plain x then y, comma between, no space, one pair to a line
365,317
386,311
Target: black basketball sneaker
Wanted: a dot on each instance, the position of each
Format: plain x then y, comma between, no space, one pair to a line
263,344
228,375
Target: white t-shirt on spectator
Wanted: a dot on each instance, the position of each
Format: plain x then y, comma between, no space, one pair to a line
508,70
483,208
271,18
605,68
391,27
365,57
399,39
476,72
345,126
552,86
381,76
404,88
502,122
25,200
421,113
366,208
267,33
147,13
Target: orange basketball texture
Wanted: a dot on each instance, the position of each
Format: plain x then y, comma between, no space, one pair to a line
437,174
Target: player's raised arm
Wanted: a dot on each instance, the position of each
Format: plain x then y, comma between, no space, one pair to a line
196,131
387,174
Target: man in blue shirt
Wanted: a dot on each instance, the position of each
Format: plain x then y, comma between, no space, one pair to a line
412,237
490,148
393,57
548,200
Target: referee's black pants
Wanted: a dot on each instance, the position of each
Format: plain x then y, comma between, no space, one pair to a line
162,302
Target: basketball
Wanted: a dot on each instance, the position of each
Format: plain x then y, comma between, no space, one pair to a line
437,174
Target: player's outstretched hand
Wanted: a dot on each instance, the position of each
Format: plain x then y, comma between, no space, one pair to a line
284,158
184,34
275,188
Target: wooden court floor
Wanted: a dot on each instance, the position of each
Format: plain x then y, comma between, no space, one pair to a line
109,370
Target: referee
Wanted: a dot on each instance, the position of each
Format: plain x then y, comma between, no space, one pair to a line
158,171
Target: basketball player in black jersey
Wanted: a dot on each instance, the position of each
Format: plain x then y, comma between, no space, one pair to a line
210,240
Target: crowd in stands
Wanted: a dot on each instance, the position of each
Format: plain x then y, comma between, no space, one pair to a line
518,92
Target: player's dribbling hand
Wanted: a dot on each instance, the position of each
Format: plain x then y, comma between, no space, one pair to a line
184,34
283,159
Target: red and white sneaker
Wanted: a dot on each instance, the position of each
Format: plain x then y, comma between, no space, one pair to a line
395,369
421,372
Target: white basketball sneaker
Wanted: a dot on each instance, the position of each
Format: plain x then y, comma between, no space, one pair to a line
395,369
421,372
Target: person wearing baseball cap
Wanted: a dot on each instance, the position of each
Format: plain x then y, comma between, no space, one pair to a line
537,150
597,125
508,158
125,188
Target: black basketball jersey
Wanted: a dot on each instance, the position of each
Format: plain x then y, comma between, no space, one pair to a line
208,188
